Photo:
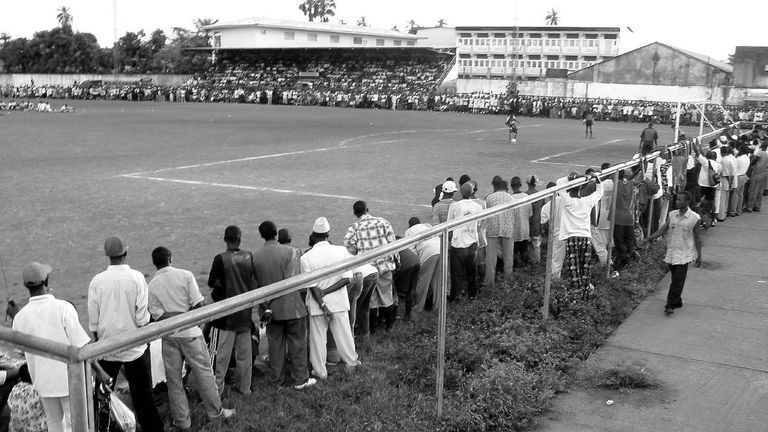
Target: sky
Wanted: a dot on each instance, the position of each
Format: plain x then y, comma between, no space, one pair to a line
689,24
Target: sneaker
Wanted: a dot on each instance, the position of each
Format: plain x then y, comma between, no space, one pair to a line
614,274
668,310
318,376
310,382
225,414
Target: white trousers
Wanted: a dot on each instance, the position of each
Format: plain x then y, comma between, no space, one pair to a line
318,338
558,255
600,243
57,413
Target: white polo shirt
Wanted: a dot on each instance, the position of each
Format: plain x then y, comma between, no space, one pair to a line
50,318
322,255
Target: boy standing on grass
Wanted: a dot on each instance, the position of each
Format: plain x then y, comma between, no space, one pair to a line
683,247
172,292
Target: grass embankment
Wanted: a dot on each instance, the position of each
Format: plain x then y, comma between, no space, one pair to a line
504,365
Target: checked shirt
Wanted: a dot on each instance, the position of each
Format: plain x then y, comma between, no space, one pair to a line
368,233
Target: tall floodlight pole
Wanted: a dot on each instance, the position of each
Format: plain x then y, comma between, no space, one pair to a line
114,45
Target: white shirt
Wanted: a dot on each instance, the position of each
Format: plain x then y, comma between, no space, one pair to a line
427,248
174,290
50,318
704,173
322,255
603,222
575,217
466,234
117,304
741,165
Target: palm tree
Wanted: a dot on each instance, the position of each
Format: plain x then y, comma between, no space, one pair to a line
64,17
552,17
361,22
411,24
202,22
441,23
322,9
4,38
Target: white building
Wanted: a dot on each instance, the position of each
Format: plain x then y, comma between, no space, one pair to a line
500,54
269,33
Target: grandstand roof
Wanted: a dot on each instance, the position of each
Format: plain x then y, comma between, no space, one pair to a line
306,25
558,29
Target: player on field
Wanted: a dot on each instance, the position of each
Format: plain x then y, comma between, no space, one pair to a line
511,123
589,119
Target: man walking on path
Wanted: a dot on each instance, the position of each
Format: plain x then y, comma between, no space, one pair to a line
233,273
285,316
117,304
172,292
683,247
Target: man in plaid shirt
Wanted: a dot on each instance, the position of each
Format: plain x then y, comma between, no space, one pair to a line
368,233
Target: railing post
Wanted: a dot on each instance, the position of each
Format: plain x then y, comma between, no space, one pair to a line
442,306
550,251
650,216
677,122
612,216
701,120
79,388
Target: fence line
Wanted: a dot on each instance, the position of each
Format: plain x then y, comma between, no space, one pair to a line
77,358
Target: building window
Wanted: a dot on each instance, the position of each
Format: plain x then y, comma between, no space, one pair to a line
571,58
289,35
499,35
357,40
553,35
379,42
590,36
571,35
590,58
411,43
312,37
335,38
399,42
610,36
465,35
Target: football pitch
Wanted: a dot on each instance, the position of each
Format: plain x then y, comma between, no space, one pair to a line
177,174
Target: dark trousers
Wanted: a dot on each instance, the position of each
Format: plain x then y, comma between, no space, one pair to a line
405,284
463,271
362,322
674,296
138,373
290,336
623,236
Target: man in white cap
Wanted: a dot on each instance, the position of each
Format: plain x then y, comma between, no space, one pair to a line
328,303
440,209
117,304
50,318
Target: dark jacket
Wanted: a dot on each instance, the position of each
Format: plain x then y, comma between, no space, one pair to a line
232,273
275,262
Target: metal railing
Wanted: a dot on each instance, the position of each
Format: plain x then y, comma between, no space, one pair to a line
77,358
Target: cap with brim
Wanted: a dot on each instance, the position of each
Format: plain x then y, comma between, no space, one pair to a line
321,226
115,247
35,274
449,187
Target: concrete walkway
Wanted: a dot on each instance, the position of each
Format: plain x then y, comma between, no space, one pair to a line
711,355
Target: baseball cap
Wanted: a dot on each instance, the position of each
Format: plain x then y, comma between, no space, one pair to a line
115,247
321,226
467,188
532,179
35,274
449,187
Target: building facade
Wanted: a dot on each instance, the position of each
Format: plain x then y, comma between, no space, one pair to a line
750,67
504,53
269,33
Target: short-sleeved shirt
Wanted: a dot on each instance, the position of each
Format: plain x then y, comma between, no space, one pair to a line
500,224
427,248
681,245
649,135
174,290
368,233
27,413
50,318
117,304
321,255
465,235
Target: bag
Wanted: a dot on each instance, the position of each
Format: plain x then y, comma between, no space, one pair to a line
122,415
112,415
714,177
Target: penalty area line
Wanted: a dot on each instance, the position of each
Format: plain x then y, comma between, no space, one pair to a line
264,189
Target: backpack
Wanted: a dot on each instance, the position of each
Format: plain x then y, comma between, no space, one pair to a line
714,177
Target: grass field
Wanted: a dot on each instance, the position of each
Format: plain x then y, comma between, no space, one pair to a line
177,174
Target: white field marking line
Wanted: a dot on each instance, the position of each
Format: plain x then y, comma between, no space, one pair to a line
544,159
266,189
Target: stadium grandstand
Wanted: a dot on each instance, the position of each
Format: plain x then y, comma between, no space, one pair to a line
310,63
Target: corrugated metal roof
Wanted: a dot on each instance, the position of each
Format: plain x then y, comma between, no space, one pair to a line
312,26
704,58
551,29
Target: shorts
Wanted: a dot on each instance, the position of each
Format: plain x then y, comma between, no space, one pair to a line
588,122
513,129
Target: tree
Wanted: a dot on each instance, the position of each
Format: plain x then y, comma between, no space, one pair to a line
394,28
322,9
361,22
552,18
441,23
65,18
731,58
411,24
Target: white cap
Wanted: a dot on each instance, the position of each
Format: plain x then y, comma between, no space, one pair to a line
449,187
321,226
723,139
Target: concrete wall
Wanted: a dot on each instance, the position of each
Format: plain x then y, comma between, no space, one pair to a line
581,89
69,79
750,67
654,64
